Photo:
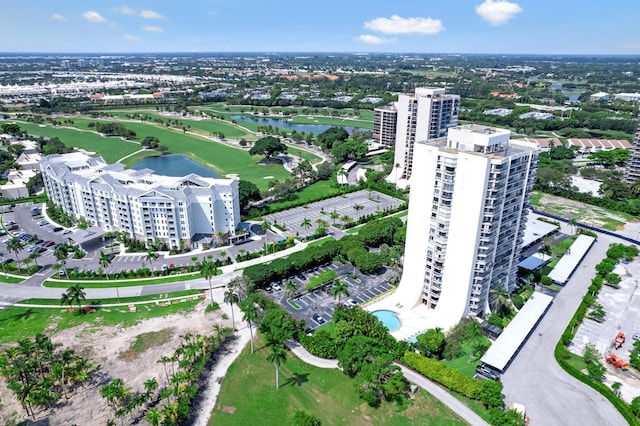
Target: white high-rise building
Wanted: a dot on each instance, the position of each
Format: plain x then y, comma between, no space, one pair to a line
148,206
385,121
467,214
424,116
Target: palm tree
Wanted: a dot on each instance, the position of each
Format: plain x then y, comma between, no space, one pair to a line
250,312
334,215
306,223
15,245
290,288
357,208
277,356
396,166
616,388
230,297
500,297
346,219
149,257
339,289
342,173
61,254
208,270
265,227
194,259
65,299
77,294
546,247
34,256
104,261
572,223
153,416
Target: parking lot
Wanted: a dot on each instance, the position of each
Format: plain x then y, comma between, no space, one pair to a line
317,307
622,307
332,210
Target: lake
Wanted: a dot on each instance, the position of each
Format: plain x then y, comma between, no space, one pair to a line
174,165
286,125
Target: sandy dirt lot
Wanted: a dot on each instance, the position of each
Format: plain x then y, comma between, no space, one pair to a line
106,348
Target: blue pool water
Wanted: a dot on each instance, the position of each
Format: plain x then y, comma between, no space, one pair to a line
388,318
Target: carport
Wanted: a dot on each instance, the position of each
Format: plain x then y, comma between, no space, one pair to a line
83,237
502,351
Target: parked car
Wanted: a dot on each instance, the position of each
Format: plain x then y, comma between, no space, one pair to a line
636,335
268,289
66,231
8,260
319,319
276,287
350,303
57,229
48,243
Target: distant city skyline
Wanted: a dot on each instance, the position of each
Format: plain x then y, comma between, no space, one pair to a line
458,26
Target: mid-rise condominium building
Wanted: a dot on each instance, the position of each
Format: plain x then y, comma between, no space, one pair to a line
632,174
466,221
176,210
423,116
385,120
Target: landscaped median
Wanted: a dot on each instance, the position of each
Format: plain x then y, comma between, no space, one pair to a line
57,283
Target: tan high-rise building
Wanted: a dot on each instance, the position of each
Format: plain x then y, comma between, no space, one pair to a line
385,121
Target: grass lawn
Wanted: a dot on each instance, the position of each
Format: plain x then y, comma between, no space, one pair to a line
248,393
535,198
17,323
111,149
152,297
124,283
10,280
309,194
465,364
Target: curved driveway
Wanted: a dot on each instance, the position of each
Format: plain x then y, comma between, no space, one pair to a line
534,379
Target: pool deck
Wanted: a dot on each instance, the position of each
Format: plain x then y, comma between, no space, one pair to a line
413,320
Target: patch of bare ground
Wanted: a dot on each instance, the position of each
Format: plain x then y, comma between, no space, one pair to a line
582,212
104,346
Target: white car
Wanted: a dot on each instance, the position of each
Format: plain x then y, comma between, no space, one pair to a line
276,287
350,303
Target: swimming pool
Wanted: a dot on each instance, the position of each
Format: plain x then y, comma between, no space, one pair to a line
388,318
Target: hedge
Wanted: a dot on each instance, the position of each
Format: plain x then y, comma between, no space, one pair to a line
446,376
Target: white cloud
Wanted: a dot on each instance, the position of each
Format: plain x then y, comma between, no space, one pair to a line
126,10
150,14
131,37
93,16
152,29
498,12
371,39
399,25
58,17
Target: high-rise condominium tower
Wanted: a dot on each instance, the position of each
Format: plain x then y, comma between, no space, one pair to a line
467,211
632,174
424,116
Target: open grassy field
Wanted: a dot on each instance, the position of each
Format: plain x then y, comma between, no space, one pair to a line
309,194
111,149
248,395
17,323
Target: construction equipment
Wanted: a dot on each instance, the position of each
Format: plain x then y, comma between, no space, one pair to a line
617,343
617,362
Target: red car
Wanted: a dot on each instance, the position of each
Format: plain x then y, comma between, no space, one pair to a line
48,244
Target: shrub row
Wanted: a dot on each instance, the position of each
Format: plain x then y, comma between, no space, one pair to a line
446,376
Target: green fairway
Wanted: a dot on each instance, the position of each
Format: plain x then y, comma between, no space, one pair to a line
219,157
17,323
248,396
309,194
111,149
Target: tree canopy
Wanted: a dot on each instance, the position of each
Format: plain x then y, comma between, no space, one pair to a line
247,191
268,146
332,136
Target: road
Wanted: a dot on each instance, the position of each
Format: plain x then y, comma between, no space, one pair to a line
535,379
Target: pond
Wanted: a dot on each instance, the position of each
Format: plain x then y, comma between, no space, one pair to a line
286,125
174,165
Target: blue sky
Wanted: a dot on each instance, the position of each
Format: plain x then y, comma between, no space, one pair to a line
429,26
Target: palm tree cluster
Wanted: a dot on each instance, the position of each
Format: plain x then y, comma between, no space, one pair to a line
39,374
120,398
172,406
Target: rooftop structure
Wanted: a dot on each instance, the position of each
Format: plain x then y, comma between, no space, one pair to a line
571,259
632,173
